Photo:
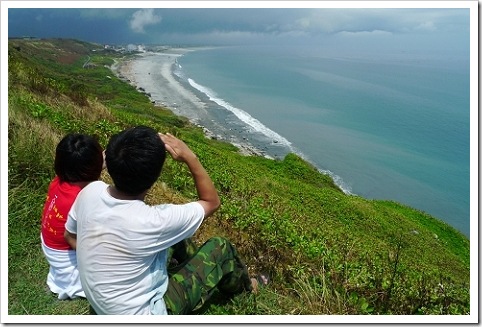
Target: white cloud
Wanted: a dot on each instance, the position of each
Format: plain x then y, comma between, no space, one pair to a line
332,21
143,17
365,33
426,26
324,21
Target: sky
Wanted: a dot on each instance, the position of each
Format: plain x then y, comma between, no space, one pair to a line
403,29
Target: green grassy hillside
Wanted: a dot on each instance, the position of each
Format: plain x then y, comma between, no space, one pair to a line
326,252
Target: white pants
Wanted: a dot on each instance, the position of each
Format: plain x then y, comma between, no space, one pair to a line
63,277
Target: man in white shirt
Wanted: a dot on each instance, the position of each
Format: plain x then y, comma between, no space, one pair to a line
122,243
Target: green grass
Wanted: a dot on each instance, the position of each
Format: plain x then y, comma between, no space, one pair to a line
326,252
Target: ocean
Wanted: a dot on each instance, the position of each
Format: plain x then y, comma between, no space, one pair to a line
385,126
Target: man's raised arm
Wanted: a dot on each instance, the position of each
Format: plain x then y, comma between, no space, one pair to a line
208,196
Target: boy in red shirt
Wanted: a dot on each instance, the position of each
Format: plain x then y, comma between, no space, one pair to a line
78,161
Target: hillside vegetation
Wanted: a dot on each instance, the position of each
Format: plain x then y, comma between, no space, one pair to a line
326,252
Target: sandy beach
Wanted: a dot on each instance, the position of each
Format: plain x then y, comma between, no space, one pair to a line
159,83
156,79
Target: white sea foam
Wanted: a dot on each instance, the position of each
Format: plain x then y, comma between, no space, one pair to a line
258,126
338,181
241,114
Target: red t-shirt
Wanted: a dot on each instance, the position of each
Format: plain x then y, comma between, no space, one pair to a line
60,197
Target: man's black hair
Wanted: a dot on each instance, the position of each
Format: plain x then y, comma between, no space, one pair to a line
78,158
134,159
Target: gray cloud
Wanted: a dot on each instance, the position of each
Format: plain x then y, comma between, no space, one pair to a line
242,25
104,13
328,21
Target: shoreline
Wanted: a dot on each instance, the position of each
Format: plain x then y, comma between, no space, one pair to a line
175,97
172,95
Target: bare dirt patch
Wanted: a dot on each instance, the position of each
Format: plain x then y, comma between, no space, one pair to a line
68,58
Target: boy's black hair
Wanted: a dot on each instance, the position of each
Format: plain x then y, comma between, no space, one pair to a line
134,159
78,158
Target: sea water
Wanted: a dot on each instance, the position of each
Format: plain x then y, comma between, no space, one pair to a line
384,126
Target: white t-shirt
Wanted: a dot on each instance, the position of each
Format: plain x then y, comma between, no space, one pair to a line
122,248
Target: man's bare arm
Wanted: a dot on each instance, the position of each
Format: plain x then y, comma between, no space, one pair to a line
71,239
208,196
